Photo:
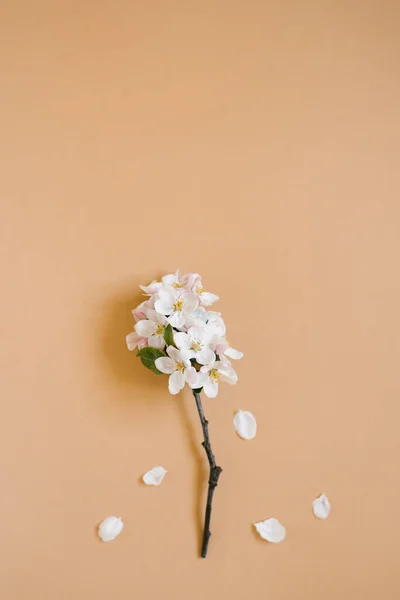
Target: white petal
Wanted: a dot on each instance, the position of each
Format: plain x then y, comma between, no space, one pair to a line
245,424
154,476
181,340
167,293
164,306
191,302
165,365
271,530
232,353
202,378
210,388
176,382
174,353
169,279
206,298
227,373
177,319
205,356
110,528
157,341
192,377
321,507
216,322
145,328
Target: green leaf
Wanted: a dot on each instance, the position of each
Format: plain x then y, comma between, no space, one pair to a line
169,336
148,356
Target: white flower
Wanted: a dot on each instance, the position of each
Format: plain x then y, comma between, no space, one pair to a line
110,528
178,280
196,344
205,298
177,305
152,288
210,375
223,349
153,329
178,368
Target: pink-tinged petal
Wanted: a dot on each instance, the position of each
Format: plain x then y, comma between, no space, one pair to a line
177,319
145,328
220,344
138,315
140,312
205,357
210,388
165,365
163,306
187,279
176,382
206,298
132,340
232,353
207,368
157,341
151,314
169,279
191,302
196,281
152,288
181,340
174,353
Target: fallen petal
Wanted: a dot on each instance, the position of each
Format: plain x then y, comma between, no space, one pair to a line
154,476
110,528
271,530
321,507
245,424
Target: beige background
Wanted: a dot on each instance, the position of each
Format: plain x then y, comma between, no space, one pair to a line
256,142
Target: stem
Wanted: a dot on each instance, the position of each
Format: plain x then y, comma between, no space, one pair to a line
215,472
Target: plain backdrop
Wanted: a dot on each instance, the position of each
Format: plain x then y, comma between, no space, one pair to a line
256,142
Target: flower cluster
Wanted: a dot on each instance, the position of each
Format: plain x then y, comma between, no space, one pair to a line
177,334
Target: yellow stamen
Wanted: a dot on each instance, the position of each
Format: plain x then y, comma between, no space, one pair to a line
159,330
214,375
178,304
179,367
199,290
196,346
177,285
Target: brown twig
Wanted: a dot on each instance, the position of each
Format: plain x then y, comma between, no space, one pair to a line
215,472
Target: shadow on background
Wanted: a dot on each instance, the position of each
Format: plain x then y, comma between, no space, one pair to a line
128,373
